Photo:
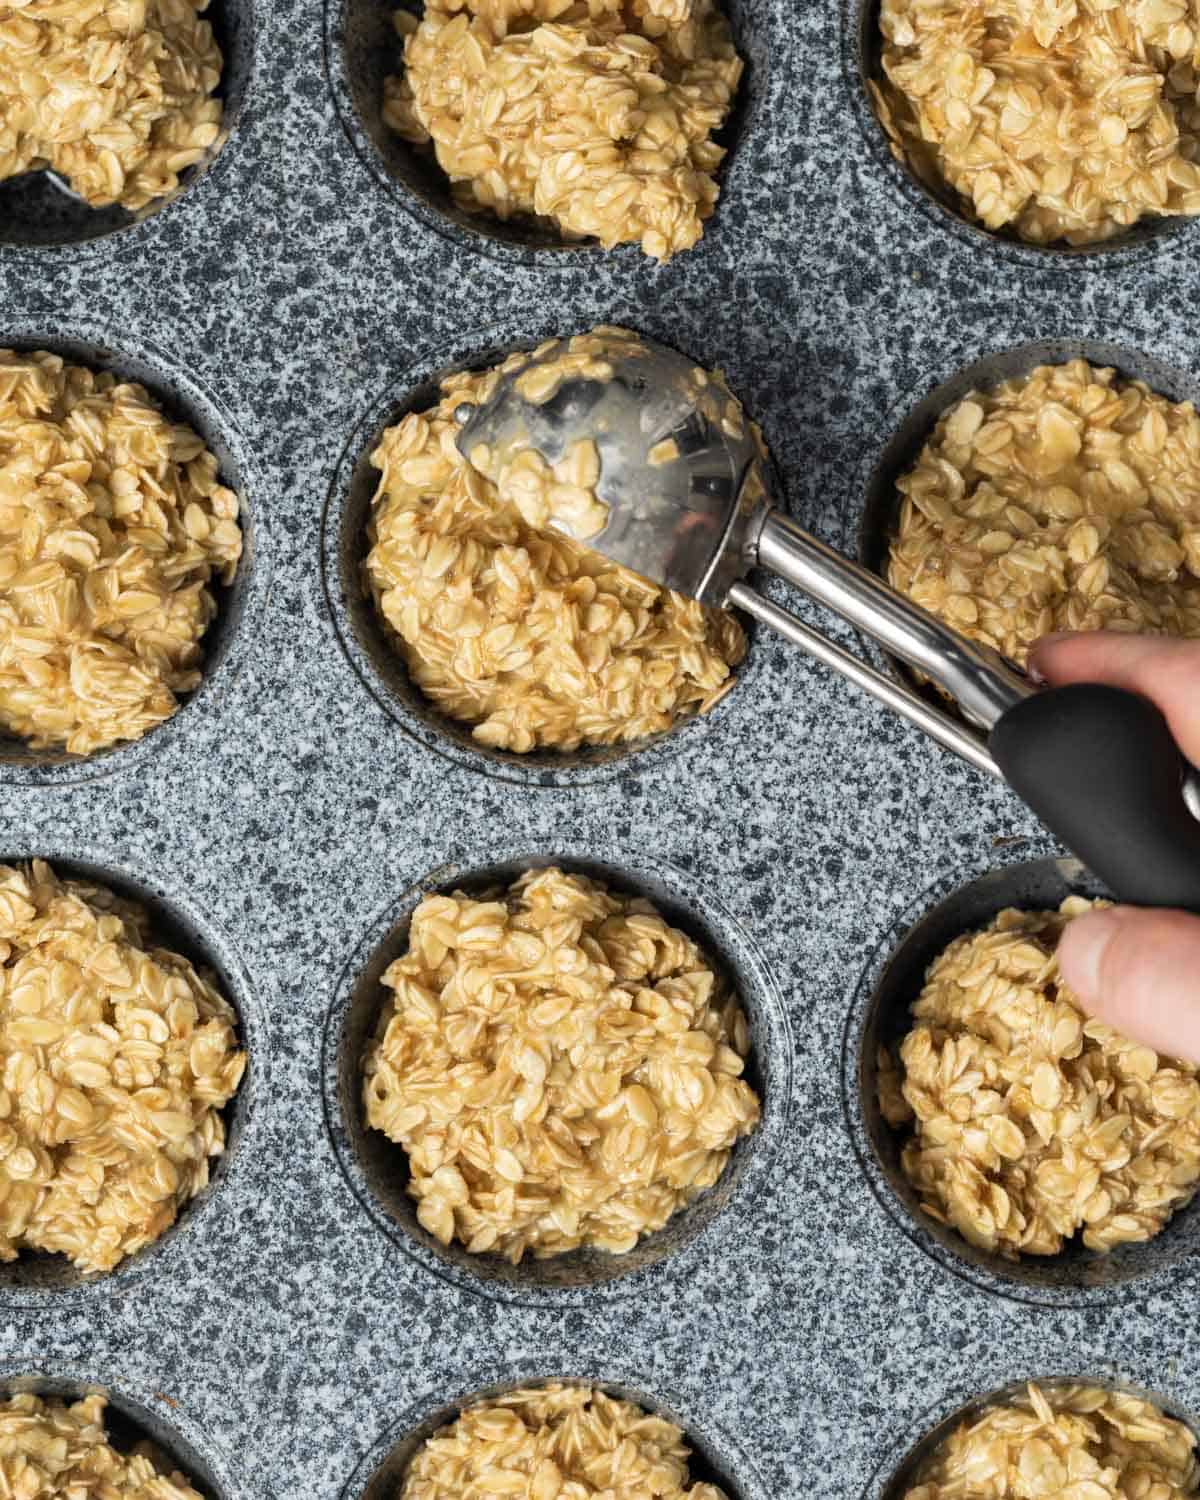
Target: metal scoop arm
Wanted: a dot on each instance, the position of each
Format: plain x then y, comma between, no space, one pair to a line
1097,764
981,681
942,727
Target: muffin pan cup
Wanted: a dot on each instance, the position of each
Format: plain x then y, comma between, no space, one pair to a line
879,1016
363,49
715,1458
370,644
911,425
40,214
376,1167
800,1321
896,1475
183,398
48,1283
862,53
135,1416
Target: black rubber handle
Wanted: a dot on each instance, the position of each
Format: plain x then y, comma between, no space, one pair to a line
1100,768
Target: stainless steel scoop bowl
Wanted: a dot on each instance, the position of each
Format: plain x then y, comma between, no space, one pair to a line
700,518
689,506
680,523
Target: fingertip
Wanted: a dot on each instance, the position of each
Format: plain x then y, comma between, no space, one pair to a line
1136,971
1081,955
1046,654
1162,668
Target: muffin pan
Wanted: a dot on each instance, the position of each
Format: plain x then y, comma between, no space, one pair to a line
293,1331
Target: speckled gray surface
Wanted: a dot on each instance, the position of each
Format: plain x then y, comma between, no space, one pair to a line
803,1337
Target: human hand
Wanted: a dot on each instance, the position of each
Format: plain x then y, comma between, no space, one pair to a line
1137,970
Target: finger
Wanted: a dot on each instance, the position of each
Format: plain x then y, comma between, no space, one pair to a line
1139,971
1163,669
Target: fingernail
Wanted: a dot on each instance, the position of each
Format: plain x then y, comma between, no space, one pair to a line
1082,949
1041,644
1031,665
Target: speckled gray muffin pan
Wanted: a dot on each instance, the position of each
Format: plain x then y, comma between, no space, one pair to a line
293,1334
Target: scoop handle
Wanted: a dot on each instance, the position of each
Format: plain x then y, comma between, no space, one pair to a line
1101,769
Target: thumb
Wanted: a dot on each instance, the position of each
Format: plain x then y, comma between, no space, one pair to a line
1139,972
